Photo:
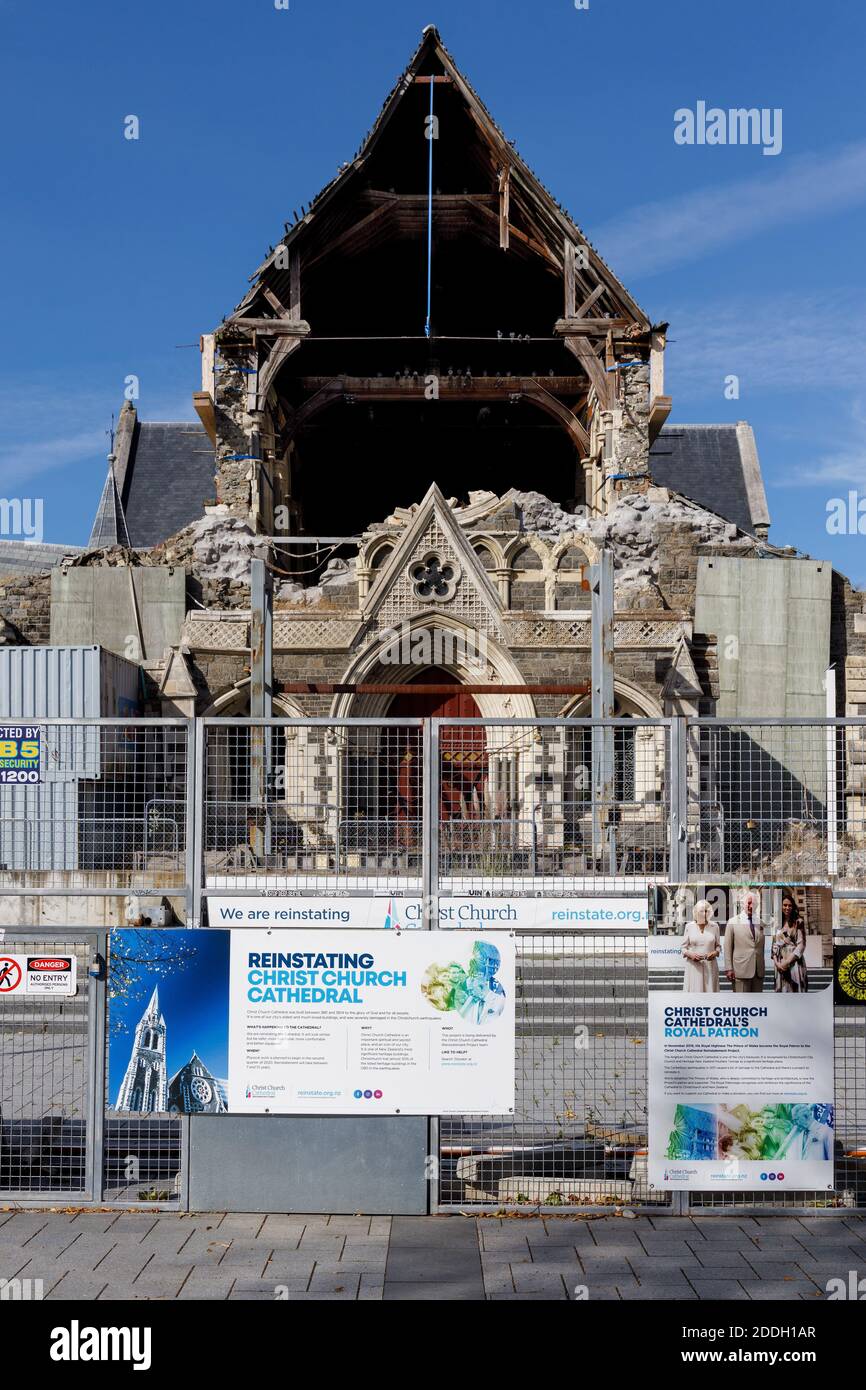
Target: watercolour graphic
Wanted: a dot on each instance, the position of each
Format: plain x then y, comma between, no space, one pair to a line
776,1131
471,991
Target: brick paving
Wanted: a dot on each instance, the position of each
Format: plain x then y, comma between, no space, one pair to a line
111,1255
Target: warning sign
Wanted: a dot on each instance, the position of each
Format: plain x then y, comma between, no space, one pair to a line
38,975
50,975
11,974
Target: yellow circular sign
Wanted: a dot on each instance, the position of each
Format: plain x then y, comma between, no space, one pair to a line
852,975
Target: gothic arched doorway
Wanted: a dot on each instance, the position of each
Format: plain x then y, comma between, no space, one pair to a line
462,749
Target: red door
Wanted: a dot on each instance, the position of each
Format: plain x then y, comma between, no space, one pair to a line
463,757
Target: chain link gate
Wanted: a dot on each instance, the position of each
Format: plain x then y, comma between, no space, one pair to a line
49,1060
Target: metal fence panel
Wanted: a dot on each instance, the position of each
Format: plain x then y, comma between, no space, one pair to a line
447,807
109,816
579,1130
318,806
777,801
46,1082
519,809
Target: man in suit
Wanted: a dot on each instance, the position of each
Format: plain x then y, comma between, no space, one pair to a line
744,950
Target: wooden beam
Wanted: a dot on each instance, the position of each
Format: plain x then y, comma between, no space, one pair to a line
590,300
504,205
529,241
588,326
660,409
437,81
295,285
594,370
477,385
272,364
569,272
204,408
280,328
479,389
275,302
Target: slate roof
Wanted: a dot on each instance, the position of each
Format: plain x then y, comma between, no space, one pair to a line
109,526
717,467
168,477
31,557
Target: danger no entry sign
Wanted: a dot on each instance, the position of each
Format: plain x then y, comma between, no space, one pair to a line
37,975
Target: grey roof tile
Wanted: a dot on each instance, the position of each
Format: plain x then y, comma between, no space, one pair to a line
169,477
714,465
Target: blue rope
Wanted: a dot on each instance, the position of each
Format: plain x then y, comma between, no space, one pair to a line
430,217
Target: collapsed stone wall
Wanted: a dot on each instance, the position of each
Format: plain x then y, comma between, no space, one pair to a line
655,538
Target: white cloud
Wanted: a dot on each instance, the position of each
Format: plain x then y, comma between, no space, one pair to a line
675,230
79,436
787,342
843,462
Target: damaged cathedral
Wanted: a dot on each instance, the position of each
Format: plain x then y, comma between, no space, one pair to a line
431,414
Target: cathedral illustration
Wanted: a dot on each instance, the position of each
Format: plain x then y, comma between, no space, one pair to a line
145,1088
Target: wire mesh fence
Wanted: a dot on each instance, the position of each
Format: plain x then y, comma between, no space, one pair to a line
328,805
110,809
578,1135
777,800
457,807
557,805
45,1079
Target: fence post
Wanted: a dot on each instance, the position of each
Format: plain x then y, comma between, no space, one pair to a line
430,903
196,812
678,800
97,1050
430,825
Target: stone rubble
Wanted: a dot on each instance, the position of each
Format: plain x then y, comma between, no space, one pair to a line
632,530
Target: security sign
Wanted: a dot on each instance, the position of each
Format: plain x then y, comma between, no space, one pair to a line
19,753
51,975
38,975
11,974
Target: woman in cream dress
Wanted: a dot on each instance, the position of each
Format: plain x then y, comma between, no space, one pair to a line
701,949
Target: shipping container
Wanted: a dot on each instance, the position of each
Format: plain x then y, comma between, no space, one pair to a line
40,824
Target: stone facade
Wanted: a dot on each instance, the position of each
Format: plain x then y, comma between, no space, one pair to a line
25,607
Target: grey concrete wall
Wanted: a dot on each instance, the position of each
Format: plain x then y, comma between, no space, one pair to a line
95,605
772,621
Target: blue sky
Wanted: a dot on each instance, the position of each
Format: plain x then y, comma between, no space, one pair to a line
194,1003
117,254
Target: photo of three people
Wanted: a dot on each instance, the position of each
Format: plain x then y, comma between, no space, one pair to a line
762,944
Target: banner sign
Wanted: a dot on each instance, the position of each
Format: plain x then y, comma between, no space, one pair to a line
37,975
19,753
472,913
318,1022
741,1091
849,975
368,1023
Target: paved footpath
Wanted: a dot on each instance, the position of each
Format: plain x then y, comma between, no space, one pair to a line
138,1255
